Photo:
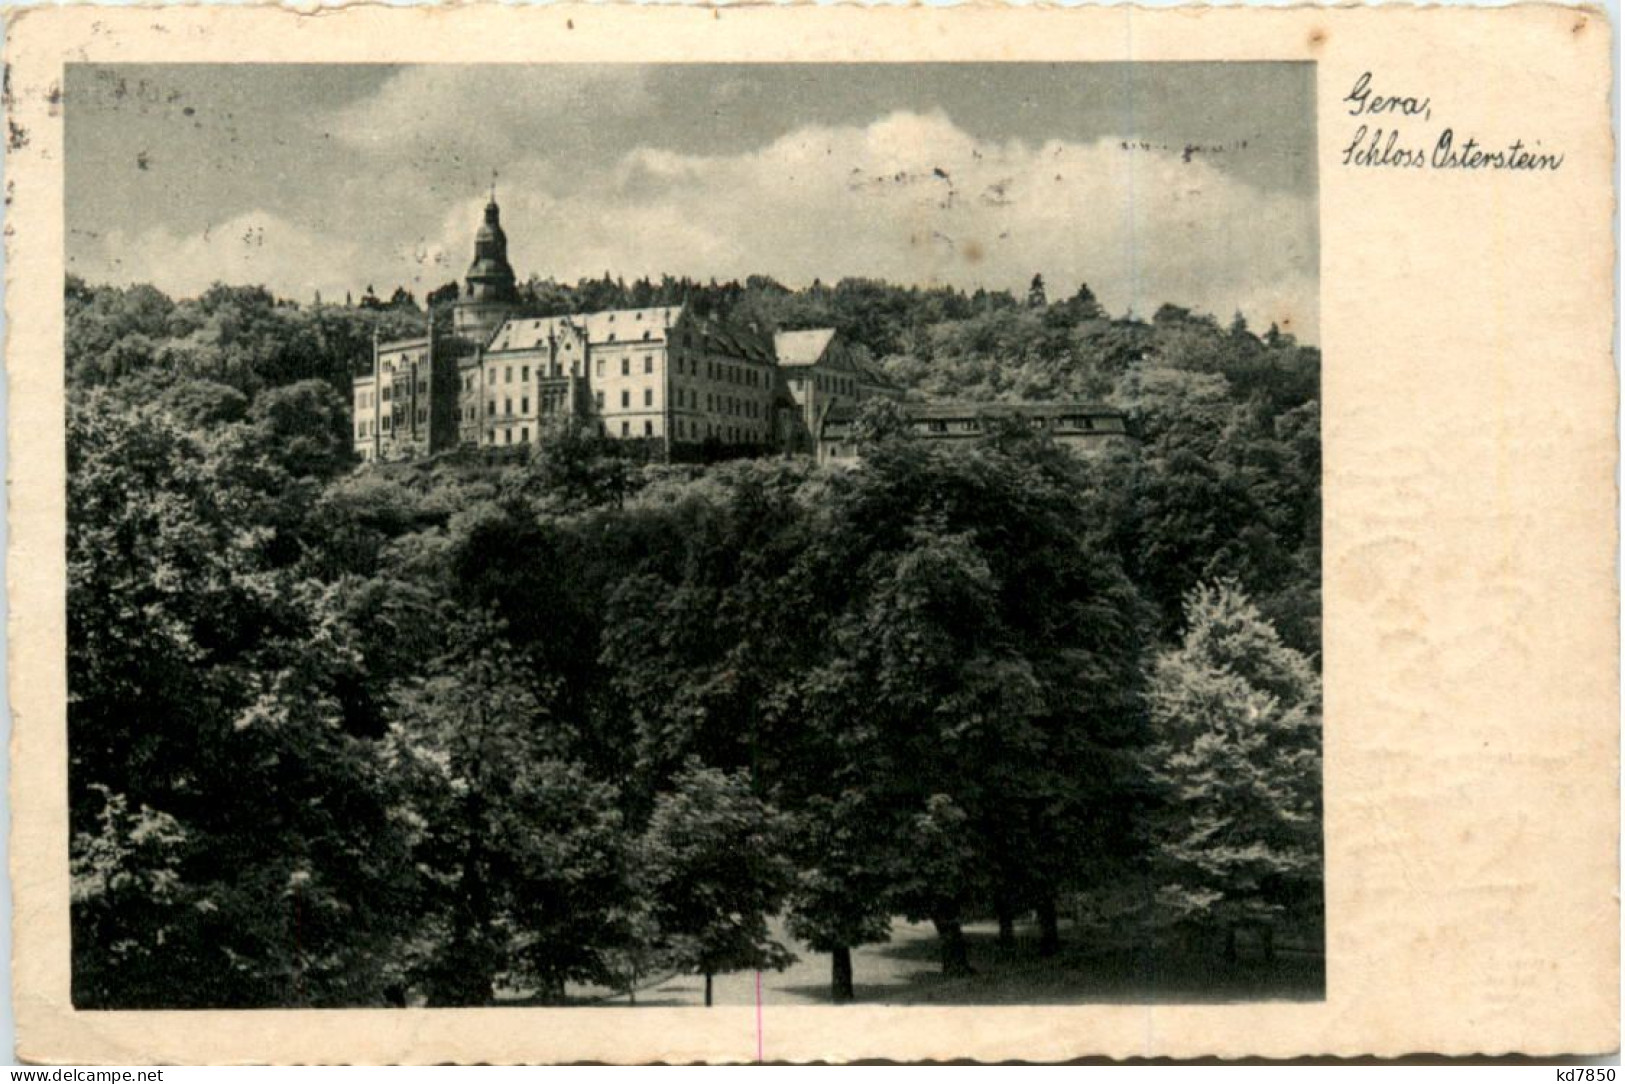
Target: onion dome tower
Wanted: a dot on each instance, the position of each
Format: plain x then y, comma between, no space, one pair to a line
488,294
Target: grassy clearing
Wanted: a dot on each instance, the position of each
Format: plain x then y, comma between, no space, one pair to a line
1093,967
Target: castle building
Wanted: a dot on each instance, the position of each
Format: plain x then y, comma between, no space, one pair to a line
405,405
690,387
686,384
656,374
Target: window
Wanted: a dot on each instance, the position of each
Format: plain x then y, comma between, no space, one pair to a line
648,397
626,366
468,383
507,374
493,374
600,366
491,408
386,395
361,429
626,429
626,399
524,434
645,335
423,415
939,427
648,363
524,405
507,406
524,372
507,436
598,399
648,429
386,423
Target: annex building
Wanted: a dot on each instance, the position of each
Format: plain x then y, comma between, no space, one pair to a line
1073,425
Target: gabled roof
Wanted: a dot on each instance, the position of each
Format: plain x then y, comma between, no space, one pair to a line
803,347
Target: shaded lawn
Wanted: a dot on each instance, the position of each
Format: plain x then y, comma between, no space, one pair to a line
1093,967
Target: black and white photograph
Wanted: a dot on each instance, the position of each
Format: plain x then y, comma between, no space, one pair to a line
618,536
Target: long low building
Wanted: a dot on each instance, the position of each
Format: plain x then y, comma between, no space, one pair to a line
1083,426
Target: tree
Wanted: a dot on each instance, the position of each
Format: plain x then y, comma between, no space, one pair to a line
715,862
305,427
523,854
879,419
980,685
1236,719
211,761
1036,298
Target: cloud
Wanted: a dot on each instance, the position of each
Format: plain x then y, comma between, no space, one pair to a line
256,248
909,197
913,199
479,114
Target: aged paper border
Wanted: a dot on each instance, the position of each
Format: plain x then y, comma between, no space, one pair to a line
1470,510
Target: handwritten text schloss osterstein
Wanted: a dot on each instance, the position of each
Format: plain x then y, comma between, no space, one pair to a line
1384,139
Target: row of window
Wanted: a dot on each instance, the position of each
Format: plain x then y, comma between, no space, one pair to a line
626,365
385,423
507,435
507,407
723,371
696,430
840,385
722,404
714,370
646,336
730,434
974,425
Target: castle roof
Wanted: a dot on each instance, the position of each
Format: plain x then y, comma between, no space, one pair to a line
618,326
803,347
626,327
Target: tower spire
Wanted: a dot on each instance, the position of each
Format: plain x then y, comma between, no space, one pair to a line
489,291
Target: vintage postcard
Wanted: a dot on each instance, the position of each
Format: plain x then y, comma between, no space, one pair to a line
709,534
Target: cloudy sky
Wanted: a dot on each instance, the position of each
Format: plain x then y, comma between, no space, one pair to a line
1191,183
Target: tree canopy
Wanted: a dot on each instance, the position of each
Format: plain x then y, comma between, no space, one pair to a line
456,730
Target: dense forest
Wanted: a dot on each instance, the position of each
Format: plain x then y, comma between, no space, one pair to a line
463,729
